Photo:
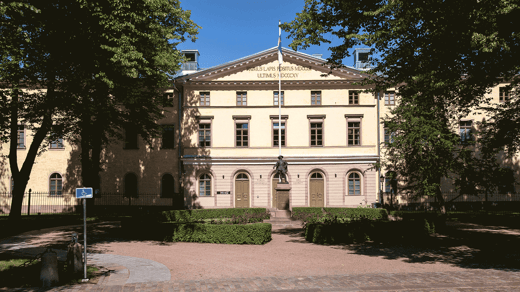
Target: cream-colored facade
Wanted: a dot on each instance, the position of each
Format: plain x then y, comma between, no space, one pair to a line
224,143
215,173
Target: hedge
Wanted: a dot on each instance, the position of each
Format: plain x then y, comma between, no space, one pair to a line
257,233
201,214
313,214
363,230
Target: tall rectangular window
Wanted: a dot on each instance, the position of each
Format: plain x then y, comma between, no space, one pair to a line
390,98
242,134
204,135
21,136
505,94
168,100
353,97
241,98
354,133
465,131
276,128
168,137
316,134
275,98
204,99
389,137
56,139
315,97
131,138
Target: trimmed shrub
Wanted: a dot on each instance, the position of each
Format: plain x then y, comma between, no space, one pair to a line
337,215
185,216
258,233
355,231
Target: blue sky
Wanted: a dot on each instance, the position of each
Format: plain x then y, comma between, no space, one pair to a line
233,29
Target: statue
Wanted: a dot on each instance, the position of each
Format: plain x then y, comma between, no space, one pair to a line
281,168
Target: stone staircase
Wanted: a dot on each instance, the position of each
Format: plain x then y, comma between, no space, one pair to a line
281,219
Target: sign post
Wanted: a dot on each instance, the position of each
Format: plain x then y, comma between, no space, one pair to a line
84,193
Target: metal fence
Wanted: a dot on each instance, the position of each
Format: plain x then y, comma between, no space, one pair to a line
45,202
455,201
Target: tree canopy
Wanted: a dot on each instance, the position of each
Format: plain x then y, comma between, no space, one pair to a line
85,69
441,56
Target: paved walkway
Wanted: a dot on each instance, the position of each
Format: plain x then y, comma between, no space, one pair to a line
131,273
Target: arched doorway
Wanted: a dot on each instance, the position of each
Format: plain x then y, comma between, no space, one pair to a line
280,199
242,191
316,187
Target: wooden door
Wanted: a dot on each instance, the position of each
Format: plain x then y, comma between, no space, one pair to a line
316,190
242,191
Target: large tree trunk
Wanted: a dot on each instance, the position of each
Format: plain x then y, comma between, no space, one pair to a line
21,176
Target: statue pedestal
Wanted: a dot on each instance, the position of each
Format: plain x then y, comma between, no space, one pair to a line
282,196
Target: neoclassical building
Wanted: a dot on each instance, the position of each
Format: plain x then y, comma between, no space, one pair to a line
220,140
230,123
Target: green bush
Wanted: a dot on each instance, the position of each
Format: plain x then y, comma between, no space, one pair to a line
197,215
258,233
355,231
337,215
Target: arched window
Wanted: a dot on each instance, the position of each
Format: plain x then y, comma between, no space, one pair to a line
131,185
55,184
205,185
167,186
354,184
317,175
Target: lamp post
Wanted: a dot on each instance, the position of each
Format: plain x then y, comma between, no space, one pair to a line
381,181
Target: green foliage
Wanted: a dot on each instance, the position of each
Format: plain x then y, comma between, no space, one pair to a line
440,74
258,233
237,214
336,215
355,231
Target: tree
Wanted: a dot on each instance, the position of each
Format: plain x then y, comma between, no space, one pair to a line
84,66
442,56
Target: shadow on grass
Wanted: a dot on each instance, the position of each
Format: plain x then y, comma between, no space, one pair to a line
456,246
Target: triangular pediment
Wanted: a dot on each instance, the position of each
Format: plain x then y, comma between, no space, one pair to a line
263,66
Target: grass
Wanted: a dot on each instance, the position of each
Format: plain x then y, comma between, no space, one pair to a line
36,222
24,273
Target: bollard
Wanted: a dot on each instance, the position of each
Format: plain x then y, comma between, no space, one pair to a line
49,270
74,257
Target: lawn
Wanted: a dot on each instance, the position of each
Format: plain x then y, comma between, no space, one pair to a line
24,273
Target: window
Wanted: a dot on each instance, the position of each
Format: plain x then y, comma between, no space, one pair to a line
276,127
204,99
131,137
275,98
354,184
390,182
316,134
21,136
55,185
354,133
241,98
353,97
465,131
205,185
390,98
168,137
12,185
389,137
130,182
56,139
242,134
168,100
167,184
315,97
505,94
204,135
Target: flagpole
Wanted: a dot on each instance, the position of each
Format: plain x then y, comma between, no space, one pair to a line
279,92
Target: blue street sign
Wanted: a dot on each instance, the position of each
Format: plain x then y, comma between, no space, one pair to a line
84,193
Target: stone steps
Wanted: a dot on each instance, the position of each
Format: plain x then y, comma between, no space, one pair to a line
281,219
